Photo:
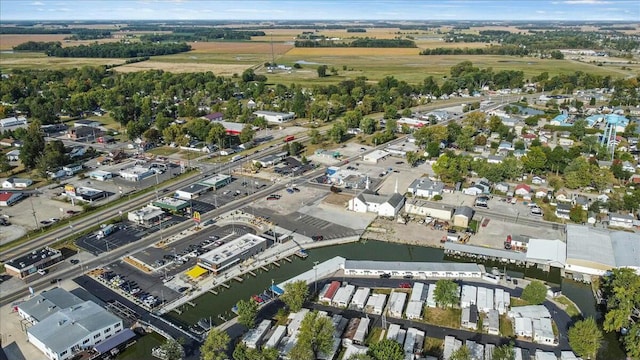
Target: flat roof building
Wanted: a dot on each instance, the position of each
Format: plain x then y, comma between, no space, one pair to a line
375,303
136,173
231,253
46,303
275,117
216,181
82,326
360,298
146,216
253,338
342,298
192,191
416,269
375,156
32,262
171,204
100,175
396,303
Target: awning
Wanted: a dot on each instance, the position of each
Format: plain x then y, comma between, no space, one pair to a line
276,290
196,272
116,340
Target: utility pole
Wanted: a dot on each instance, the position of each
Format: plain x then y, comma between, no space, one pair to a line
33,211
315,283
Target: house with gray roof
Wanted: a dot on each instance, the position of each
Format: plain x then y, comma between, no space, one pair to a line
425,187
621,220
462,216
383,205
83,325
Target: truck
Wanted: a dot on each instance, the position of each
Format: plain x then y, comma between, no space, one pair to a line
106,230
289,138
236,158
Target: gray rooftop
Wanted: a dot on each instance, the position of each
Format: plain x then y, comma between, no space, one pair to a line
75,322
626,249
427,184
498,253
410,266
465,211
589,244
47,303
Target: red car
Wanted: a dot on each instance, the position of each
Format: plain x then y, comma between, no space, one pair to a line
405,286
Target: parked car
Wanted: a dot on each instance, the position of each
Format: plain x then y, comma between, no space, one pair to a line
317,238
273,197
404,286
385,276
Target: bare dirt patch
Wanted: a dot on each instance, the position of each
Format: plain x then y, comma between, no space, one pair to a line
337,199
218,69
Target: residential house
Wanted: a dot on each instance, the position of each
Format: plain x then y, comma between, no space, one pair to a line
522,190
565,142
492,322
528,137
216,116
562,196
72,169
87,123
627,166
505,146
502,187
540,193
495,159
15,183
563,210
591,218
425,187
473,190
7,142
581,201
13,155
469,317
538,180
621,220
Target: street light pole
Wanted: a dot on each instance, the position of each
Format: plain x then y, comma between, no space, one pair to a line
315,283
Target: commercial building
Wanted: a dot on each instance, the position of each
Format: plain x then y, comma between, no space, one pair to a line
146,216
375,156
73,329
425,188
462,216
32,262
13,121
216,181
275,117
426,208
231,253
136,173
415,269
46,303
84,193
192,191
592,251
100,175
10,198
171,204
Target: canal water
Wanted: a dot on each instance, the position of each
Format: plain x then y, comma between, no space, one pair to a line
218,307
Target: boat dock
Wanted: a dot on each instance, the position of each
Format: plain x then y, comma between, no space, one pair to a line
191,303
238,279
213,292
264,268
252,273
287,259
225,285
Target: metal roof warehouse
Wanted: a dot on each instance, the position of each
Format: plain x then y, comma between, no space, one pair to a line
424,269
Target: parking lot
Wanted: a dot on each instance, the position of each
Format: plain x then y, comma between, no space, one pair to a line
237,188
153,284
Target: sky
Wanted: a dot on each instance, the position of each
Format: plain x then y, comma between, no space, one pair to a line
603,10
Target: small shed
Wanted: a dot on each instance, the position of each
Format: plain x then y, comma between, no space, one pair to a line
462,216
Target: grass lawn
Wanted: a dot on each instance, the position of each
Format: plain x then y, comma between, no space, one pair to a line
506,328
142,348
374,336
518,302
570,307
433,346
382,291
443,317
163,151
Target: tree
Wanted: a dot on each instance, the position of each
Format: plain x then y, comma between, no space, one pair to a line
386,349
361,356
5,165
315,337
446,293
315,136
260,122
577,173
579,128
504,352
247,312
621,290
217,134
461,354
172,133
247,134
215,345
322,70
534,293
295,148
368,125
337,132
585,338
465,139
172,350
162,122
535,160
476,119
577,214
295,293
152,135
412,158
32,146
241,352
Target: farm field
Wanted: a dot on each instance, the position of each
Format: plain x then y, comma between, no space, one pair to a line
8,41
35,60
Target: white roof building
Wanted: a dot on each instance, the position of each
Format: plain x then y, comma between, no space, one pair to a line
343,296
544,355
396,303
547,252
476,350
468,296
296,321
375,156
83,326
392,332
360,298
543,331
414,340
375,303
485,299
530,311
136,173
254,336
275,117
431,298
276,336
46,303
389,205
451,344
523,327
362,331
145,215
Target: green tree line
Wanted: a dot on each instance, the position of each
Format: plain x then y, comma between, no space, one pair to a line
118,50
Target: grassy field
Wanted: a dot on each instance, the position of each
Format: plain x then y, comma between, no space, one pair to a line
433,346
163,151
443,317
518,302
571,308
142,348
34,60
506,329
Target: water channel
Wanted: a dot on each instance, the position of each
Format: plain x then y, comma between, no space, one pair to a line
218,307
